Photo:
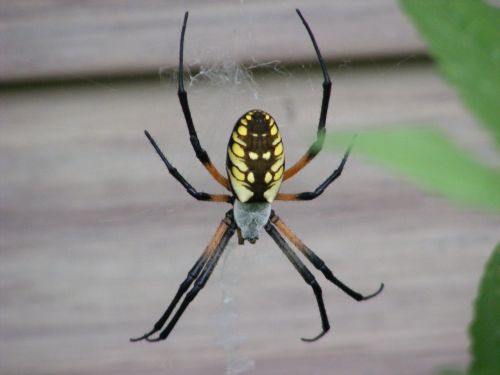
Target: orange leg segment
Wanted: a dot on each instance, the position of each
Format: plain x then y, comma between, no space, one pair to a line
201,154
198,274
199,195
318,262
309,195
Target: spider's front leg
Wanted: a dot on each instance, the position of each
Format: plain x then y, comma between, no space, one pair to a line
201,154
200,272
317,145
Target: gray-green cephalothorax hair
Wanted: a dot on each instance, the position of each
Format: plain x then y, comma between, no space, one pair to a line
250,218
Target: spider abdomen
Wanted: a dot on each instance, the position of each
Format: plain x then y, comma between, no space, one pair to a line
255,158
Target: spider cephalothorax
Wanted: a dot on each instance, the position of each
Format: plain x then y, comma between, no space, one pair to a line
255,166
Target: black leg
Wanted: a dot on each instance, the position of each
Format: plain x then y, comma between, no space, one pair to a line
201,154
199,195
217,244
316,147
317,261
309,195
306,275
198,284
192,275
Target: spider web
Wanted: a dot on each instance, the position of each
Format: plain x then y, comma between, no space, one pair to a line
232,83
229,84
228,336
226,80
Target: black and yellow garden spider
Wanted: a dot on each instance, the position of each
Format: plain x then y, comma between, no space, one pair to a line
255,166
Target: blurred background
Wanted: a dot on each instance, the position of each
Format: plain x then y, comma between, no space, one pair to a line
96,236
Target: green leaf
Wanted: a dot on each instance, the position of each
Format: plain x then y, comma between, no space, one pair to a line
451,372
485,329
464,38
427,158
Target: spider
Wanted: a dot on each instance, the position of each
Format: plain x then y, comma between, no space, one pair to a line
255,166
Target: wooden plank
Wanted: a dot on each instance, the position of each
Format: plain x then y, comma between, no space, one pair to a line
63,39
96,236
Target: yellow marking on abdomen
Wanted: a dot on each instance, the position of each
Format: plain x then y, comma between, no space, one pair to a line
236,173
278,174
274,130
238,140
250,177
277,140
241,191
238,150
277,165
268,177
270,193
278,150
242,130
266,155
253,155
239,163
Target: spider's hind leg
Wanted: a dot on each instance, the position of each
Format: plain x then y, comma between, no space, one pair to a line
200,272
318,262
306,275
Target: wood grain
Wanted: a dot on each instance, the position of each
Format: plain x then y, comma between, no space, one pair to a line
61,39
96,236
